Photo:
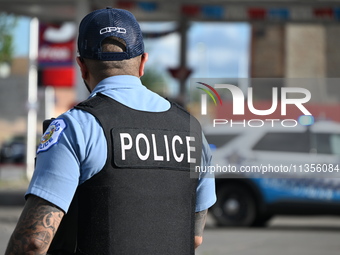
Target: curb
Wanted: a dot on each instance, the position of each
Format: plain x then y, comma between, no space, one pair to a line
12,197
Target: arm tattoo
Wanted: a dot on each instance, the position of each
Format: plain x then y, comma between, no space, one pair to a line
36,228
200,219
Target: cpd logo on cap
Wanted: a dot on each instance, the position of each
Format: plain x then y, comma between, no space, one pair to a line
112,29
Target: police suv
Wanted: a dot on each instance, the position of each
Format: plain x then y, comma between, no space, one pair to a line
266,171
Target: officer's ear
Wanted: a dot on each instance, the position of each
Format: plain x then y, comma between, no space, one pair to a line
144,58
83,68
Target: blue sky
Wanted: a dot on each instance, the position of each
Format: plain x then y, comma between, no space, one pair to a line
21,37
222,47
215,50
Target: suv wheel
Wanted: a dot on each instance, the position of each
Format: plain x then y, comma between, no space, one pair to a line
235,206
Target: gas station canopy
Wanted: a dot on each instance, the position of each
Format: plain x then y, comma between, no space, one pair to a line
175,10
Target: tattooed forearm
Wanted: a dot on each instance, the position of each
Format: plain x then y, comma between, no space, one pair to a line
36,228
200,219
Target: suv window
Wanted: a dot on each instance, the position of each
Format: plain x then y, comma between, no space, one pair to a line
285,142
219,140
327,143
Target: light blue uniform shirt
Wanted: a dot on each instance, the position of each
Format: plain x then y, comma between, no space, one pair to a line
78,148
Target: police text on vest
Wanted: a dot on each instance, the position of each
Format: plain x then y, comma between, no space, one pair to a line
160,148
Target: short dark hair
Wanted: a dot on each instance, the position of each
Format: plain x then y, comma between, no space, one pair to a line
103,69
118,44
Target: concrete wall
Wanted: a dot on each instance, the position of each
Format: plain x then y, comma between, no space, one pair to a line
307,54
267,51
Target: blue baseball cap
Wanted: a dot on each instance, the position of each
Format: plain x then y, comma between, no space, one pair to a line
103,23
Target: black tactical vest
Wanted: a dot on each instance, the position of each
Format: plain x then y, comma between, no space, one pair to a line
143,200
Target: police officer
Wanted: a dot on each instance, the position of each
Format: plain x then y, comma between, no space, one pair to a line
114,175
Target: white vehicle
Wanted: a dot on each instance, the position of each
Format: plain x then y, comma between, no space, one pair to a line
266,171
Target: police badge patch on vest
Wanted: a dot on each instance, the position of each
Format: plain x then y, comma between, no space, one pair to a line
135,148
52,134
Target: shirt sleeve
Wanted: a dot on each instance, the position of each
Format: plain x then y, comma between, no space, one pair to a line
67,158
56,173
205,193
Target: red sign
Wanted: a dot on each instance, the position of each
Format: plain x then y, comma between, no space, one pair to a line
191,10
257,13
323,12
57,44
180,73
56,54
58,76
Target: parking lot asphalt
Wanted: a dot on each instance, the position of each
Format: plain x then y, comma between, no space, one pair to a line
284,235
12,197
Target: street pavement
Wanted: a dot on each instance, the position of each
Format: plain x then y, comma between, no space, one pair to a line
8,219
284,235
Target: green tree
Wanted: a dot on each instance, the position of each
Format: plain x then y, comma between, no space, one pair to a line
7,25
154,80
